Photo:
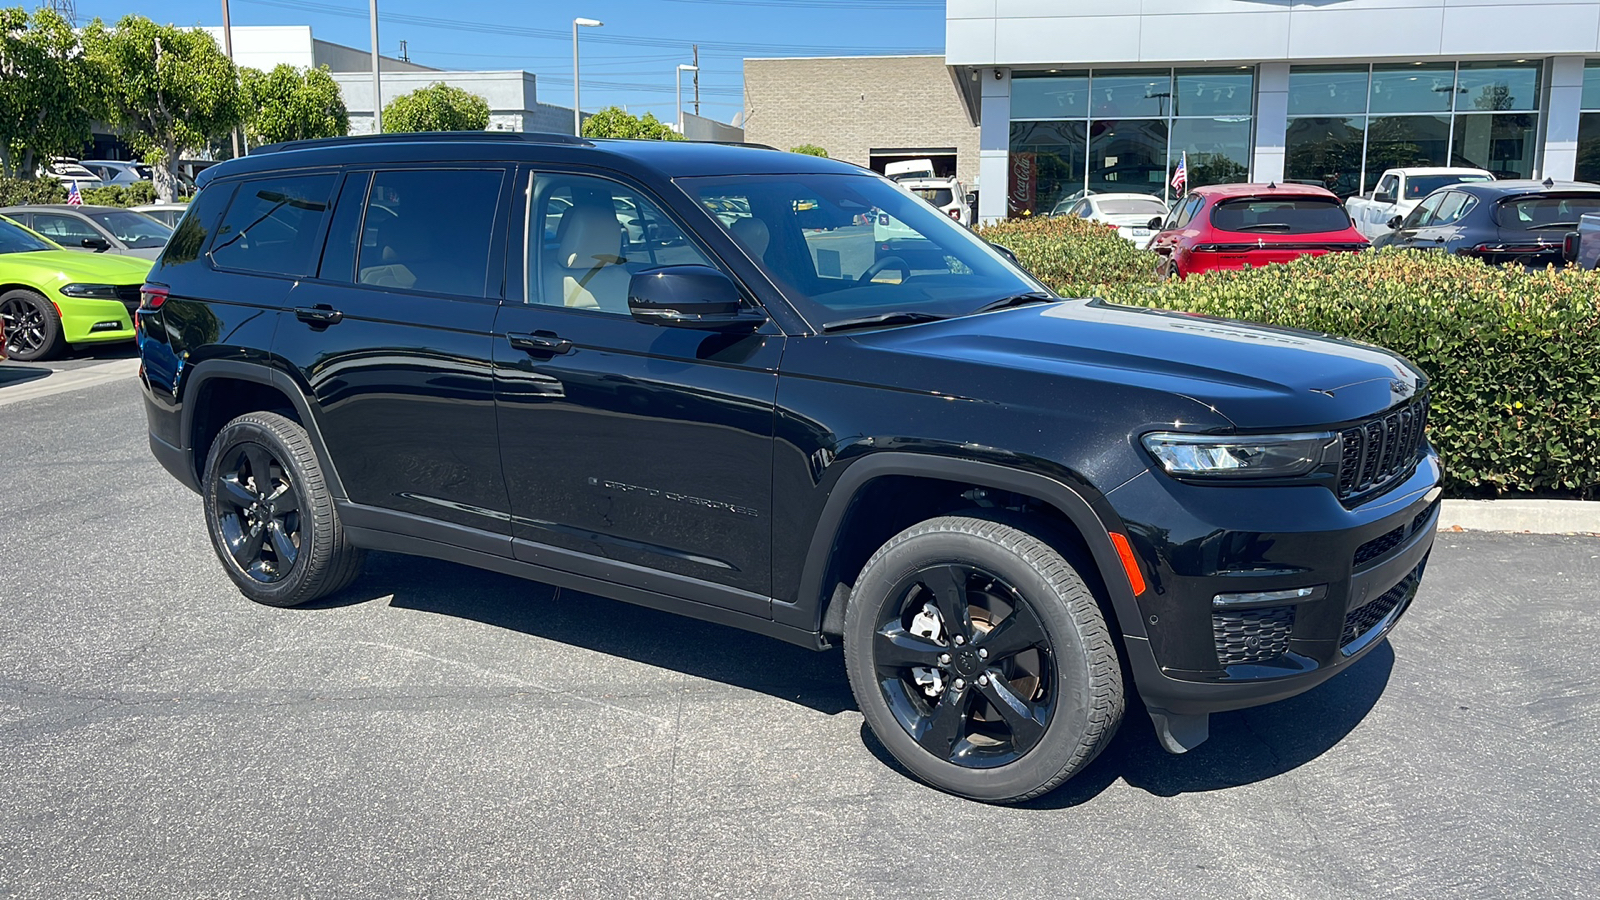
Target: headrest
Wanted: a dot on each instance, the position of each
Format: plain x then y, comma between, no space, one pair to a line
752,233
403,244
590,237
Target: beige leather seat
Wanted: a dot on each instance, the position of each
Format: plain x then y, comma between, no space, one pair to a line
400,246
587,272
753,234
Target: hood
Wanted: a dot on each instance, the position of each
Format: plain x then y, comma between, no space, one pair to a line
1257,377
64,266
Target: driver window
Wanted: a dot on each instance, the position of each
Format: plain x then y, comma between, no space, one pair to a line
588,236
1420,215
1388,185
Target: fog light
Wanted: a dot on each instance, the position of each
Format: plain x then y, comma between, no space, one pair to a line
1270,598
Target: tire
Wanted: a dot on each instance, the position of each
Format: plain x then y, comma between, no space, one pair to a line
281,543
33,328
974,741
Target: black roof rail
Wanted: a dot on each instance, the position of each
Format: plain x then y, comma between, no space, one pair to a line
519,137
735,144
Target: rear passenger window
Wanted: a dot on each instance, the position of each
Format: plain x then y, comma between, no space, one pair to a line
273,224
344,234
194,229
429,230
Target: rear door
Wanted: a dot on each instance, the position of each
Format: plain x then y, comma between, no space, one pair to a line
391,342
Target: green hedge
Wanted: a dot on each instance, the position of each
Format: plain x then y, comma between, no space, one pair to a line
17,192
1513,356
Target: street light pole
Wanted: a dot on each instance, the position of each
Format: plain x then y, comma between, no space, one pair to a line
577,110
377,84
227,47
682,68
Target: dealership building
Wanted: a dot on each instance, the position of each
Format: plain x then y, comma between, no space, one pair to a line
1108,95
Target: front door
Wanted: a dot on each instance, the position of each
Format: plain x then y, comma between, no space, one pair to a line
392,343
626,443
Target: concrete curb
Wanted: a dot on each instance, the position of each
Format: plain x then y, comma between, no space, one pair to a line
1521,516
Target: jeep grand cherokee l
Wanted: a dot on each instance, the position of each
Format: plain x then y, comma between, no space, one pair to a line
737,405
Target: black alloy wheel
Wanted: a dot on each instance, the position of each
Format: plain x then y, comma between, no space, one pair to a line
258,512
965,666
33,332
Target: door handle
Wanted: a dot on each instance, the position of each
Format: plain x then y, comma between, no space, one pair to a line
540,342
321,314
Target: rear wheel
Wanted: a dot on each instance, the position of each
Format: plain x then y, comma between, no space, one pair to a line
33,329
270,515
980,659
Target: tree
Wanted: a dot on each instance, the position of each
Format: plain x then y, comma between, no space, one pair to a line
810,150
49,92
616,122
172,90
290,104
437,107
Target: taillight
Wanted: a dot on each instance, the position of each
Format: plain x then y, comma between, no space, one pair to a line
151,296
1569,246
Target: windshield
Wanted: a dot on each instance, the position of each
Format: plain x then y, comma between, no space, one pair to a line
16,239
1419,186
136,230
1289,215
841,246
1546,211
1131,207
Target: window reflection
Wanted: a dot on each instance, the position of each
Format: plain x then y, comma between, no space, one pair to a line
1589,147
1396,141
1212,92
1326,151
1128,156
1412,88
1502,144
1047,165
1494,86
1126,95
1036,96
1327,91
1218,149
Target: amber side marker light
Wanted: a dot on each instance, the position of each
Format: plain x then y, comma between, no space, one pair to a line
1129,564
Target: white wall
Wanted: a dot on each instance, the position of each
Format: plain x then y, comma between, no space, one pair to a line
700,128
512,97
1086,32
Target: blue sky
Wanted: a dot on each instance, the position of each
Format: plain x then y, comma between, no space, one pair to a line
631,61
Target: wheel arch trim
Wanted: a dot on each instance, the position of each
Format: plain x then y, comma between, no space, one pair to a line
1093,527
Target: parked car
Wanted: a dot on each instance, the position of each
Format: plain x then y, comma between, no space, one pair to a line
1001,503
944,194
1136,217
1398,192
69,172
1065,204
1518,222
117,171
909,170
52,297
95,229
1231,226
1582,247
167,214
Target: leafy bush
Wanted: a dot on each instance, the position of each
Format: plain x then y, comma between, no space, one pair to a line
1513,356
810,150
19,192
437,107
137,194
616,122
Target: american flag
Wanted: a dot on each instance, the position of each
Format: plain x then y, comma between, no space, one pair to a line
73,197
1180,178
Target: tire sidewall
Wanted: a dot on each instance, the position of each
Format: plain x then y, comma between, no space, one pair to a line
52,325
1072,684
286,591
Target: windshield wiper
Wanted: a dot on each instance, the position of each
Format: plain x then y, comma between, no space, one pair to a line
902,317
1015,300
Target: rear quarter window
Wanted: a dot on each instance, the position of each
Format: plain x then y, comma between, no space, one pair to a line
1287,215
1545,210
273,225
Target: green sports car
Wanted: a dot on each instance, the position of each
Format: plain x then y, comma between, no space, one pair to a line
51,297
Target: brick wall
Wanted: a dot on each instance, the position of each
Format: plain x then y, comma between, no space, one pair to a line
852,105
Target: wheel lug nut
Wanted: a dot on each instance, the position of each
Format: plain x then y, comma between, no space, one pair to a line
983,679
983,654
960,639
960,684
944,659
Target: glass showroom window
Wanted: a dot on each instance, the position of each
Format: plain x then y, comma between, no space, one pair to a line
1589,125
1347,124
1123,131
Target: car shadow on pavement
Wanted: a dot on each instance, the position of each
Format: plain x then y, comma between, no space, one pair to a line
1245,747
17,373
665,640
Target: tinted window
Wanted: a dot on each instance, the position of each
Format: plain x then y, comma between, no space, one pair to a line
429,230
344,233
1454,205
936,196
136,230
1290,215
1131,207
15,239
67,231
273,224
189,237
1423,185
1547,211
1423,212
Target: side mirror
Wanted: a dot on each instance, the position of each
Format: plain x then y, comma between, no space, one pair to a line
1006,252
972,199
1156,222
1394,222
1384,197
96,244
689,297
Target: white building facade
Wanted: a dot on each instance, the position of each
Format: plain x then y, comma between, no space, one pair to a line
1108,95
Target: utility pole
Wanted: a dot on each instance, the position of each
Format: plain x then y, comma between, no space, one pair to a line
377,84
696,48
404,57
227,46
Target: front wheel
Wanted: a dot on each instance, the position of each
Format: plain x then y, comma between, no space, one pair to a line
980,659
32,328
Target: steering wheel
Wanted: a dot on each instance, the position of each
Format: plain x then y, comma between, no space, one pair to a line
880,265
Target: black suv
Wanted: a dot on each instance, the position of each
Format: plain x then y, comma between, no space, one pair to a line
781,393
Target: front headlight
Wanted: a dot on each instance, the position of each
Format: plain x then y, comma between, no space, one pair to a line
1249,456
90,291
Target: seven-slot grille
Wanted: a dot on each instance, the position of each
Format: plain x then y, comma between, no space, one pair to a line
129,295
1252,635
1381,450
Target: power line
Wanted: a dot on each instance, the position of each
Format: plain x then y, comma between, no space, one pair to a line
884,5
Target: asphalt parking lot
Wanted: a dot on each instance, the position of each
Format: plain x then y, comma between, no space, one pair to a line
439,731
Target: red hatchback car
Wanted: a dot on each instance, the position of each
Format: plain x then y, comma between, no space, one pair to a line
1230,226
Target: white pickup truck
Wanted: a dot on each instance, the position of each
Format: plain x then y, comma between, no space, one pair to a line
1399,191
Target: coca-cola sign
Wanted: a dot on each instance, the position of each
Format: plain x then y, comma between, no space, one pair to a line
1024,184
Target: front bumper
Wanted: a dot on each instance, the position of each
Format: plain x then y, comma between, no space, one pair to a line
90,321
1361,566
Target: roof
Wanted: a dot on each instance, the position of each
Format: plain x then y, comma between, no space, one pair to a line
1523,186
672,159
1288,189
1126,195
1440,170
